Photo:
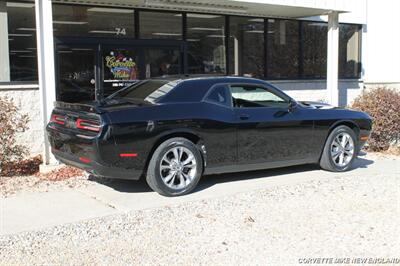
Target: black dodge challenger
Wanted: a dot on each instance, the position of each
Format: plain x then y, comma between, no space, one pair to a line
173,131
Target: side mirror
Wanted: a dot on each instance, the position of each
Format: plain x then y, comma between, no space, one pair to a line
292,105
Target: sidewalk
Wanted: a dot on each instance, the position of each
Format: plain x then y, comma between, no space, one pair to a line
34,211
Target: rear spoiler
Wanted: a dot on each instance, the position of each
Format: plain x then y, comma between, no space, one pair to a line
93,107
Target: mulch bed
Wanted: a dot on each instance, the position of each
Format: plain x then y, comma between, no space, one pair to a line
31,167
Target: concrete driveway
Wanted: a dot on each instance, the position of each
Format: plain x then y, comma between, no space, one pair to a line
33,211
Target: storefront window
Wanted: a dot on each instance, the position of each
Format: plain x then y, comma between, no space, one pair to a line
283,56
83,21
206,44
162,62
349,51
18,60
160,25
246,46
315,49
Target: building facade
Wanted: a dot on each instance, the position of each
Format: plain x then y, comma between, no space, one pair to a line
84,50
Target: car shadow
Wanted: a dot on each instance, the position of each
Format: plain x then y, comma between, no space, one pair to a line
129,186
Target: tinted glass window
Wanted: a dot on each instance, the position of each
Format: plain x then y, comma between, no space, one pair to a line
149,91
76,20
246,46
315,47
349,51
206,43
251,96
283,49
160,25
162,61
18,60
219,95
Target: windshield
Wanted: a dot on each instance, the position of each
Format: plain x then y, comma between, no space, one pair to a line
148,90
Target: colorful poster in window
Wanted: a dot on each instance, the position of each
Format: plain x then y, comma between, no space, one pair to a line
121,67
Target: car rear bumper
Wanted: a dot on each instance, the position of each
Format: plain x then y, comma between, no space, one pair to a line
96,168
85,154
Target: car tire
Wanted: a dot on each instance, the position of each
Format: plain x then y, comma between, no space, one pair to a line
340,150
186,170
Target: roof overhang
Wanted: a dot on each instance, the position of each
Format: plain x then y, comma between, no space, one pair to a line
260,8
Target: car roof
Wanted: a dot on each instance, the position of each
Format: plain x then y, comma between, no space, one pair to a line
198,86
216,78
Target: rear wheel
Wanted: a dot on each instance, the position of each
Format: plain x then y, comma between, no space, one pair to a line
175,167
340,150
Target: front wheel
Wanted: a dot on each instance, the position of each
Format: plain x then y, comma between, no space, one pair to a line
175,167
340,150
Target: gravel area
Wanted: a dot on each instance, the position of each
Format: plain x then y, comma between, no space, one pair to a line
336,218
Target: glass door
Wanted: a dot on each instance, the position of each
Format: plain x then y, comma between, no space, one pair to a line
93,68
76,75
120,68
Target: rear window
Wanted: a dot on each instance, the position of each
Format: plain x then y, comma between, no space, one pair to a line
219,95
150,90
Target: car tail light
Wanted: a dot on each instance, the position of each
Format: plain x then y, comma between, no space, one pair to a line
85,160
58,119
88,125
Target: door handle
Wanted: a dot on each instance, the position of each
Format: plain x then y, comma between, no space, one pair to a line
244,117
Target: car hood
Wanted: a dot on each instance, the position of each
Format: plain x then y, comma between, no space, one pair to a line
317,105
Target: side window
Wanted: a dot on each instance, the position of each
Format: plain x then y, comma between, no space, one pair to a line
253,96
219,95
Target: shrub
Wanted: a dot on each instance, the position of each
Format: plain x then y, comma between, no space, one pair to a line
11,123
383,105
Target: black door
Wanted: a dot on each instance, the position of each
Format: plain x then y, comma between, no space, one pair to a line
266,130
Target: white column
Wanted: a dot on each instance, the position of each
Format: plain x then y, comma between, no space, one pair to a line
236,54
4,50
46,71
333,59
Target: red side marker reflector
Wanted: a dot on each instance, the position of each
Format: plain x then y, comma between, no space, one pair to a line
128,155
84,160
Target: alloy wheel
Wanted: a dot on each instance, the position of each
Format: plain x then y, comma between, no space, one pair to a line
342,149
178,167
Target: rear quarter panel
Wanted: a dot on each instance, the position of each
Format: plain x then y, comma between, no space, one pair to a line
138,130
